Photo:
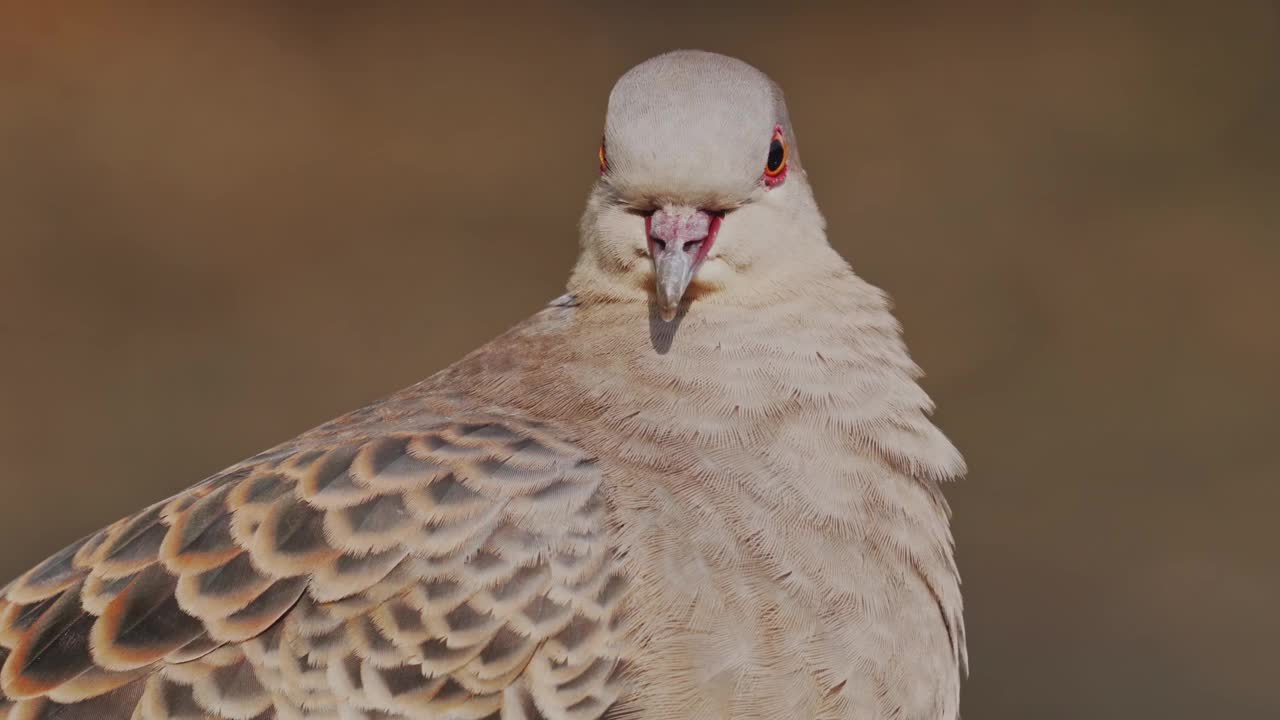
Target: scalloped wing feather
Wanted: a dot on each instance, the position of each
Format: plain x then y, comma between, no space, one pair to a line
454,569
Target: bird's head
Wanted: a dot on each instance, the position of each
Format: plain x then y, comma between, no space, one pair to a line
701,194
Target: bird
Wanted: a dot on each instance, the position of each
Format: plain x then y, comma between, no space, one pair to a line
702,483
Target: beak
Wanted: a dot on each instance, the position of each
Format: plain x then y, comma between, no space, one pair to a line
679,239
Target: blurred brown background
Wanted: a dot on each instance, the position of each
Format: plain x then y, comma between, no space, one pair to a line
223,224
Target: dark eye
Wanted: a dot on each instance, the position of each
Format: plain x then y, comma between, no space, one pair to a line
776,164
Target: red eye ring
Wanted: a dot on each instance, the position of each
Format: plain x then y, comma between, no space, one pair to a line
775,165
604,164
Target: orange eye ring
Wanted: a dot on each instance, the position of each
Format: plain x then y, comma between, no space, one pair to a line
776,163
604,164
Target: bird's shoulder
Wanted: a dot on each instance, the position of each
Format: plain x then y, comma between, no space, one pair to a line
421,553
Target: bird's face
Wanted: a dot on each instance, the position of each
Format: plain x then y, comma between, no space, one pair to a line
700,185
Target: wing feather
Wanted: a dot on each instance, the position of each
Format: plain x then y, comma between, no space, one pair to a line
459,567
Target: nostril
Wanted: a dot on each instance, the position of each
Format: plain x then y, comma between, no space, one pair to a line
692,245
659,244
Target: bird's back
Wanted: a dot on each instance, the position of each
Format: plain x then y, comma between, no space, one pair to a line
426,556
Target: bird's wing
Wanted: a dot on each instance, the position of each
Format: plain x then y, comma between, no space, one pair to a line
455,569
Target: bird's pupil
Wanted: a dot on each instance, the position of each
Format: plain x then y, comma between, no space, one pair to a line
775,156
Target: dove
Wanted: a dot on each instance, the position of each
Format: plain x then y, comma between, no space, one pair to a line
703,483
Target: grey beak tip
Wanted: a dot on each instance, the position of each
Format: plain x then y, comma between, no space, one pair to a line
673,271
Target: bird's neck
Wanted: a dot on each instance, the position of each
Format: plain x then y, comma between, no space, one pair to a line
824,370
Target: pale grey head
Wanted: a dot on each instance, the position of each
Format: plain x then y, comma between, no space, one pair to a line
693,126
700,184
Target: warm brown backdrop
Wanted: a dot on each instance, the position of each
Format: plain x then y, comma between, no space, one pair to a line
224,224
